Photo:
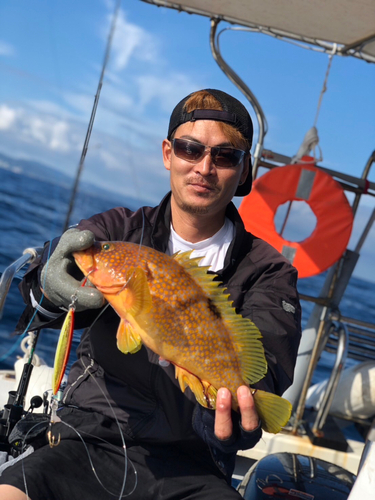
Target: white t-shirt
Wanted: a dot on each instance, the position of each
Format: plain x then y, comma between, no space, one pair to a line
213,249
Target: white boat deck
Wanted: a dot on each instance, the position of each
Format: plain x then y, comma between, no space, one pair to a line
286,442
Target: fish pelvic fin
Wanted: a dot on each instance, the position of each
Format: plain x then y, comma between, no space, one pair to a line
274,411
128,340
135,295
245,335
204,392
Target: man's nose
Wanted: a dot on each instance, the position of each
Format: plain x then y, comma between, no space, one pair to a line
206,166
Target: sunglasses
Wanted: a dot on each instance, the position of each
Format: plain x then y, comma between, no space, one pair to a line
222,157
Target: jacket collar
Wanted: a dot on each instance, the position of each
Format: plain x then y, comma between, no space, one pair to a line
162,226
237,246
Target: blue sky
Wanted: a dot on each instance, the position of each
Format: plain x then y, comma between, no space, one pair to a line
50,60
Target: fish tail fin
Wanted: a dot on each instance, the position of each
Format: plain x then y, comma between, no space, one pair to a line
273,410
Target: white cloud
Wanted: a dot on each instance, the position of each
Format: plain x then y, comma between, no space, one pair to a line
167,91
125,164
153,87
7,117
6,49
47,131
110,160
129,41
131,121
82,103
36,129
59,139
32,125
116,98
48,107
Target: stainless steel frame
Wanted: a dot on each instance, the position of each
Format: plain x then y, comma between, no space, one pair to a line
29,255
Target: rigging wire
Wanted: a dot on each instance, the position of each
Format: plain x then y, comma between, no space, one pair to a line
324,88
92,117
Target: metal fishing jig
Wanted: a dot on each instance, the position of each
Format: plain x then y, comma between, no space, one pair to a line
63,346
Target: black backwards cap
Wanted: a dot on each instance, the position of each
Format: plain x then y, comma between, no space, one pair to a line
234,113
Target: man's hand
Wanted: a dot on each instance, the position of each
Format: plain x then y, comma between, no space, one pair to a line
57,281
223,418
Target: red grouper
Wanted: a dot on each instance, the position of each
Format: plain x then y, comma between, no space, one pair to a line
174,307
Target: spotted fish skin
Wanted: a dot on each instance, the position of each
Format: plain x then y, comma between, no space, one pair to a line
174,307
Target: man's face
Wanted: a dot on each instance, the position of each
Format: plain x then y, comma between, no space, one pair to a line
201,187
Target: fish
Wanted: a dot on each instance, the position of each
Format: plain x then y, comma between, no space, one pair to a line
183,313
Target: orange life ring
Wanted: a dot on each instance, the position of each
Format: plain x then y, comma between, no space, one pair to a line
326,198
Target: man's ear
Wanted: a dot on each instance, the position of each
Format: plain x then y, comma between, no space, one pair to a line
246,169
167,153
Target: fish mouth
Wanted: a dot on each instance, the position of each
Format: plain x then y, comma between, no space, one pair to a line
85,261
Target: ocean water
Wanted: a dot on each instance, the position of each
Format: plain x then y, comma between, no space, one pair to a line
33,210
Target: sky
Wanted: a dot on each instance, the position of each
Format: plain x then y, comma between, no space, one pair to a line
51,56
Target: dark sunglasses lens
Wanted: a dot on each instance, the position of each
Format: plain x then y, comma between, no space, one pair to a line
226,157
187,150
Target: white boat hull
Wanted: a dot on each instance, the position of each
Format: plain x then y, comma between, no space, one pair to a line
355,394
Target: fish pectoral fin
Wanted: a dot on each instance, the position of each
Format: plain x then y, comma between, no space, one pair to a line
204,391
128,340
273,411
136,295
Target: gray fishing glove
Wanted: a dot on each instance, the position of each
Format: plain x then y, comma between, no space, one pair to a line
57,281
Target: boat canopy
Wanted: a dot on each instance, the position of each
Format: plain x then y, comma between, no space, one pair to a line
344,26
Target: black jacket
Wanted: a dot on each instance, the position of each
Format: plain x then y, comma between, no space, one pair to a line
146,397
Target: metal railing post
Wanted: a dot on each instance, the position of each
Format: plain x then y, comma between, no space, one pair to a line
341,354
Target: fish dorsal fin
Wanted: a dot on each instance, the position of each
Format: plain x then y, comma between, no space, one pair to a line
183,258
244,333
135,295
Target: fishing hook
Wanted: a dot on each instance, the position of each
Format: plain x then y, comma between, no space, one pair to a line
52,440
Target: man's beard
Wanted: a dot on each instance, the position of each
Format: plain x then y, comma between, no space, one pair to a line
196,209
193,209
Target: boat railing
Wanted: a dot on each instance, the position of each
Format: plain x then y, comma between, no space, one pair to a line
328,302
347,338
358,185
361,340
28,256
340,332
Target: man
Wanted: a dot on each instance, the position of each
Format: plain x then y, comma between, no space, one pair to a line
174,447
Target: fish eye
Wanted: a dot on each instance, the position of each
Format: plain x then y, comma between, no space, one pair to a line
106,246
